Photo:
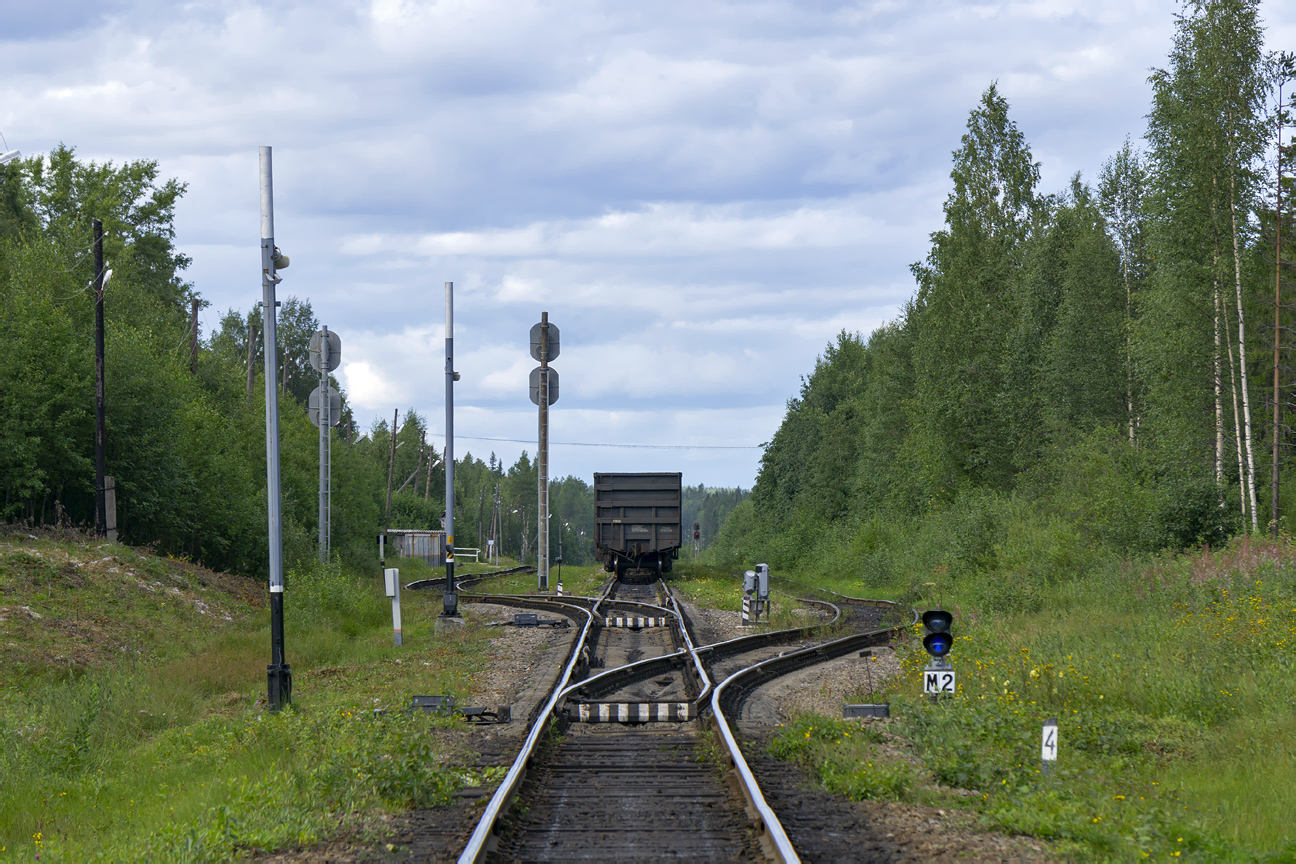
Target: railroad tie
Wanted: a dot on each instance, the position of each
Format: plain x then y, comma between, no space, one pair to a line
631,712
636,623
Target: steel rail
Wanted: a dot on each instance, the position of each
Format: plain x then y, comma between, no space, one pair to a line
466,579
770,831
476,846
704,681
622,676
612,680
739,644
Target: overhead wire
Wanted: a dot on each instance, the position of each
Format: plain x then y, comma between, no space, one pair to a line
603,444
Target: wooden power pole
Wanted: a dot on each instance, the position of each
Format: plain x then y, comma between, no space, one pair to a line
193,336
101,432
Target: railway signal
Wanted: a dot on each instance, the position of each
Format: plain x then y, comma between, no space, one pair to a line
544,392
938,640
278,673
325,409
938,676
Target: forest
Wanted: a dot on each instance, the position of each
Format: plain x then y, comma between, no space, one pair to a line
1104,367
185,410
185,419
1107,364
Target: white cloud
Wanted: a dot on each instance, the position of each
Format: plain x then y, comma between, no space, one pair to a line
700,193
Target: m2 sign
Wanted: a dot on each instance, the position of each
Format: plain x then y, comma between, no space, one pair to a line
938,681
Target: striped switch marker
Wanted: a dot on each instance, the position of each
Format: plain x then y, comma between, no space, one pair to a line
630,712
635,623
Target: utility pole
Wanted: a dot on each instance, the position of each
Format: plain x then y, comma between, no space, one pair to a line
251,373
451,598
101,429
1277,429
427,480
391,466
278,674
193,336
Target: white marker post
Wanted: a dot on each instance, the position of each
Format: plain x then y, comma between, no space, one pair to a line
393,591
1049,744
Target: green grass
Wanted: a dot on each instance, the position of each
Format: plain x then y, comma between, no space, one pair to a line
715,588
134,728
1172,684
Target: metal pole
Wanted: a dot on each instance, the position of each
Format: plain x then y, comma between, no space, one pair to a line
101,430
542,460
391,466
278,674
328,516
451,598
324,419
1277,429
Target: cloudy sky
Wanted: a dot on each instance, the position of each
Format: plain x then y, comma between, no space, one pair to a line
701,193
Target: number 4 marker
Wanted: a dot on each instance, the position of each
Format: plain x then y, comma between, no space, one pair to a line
1049,742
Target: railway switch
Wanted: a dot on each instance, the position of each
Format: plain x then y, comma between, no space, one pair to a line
445,706
762,590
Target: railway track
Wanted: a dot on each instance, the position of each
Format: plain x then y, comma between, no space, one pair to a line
626,763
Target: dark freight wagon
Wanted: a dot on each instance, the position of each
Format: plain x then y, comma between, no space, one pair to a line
637,522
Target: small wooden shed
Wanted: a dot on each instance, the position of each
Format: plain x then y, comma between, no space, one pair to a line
428,546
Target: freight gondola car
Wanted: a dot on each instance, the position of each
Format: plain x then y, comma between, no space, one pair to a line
637,522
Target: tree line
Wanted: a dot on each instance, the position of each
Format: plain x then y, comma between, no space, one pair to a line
1115,354
186,428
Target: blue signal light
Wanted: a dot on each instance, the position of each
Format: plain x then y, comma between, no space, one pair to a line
938,640
938,644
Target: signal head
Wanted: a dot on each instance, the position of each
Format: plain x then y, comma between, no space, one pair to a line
938,640
937,620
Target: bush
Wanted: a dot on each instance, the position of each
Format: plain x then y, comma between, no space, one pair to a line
326,591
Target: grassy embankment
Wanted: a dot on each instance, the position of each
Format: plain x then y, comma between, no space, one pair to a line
1171,680
131,706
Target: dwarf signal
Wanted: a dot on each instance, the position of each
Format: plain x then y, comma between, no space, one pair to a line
938,676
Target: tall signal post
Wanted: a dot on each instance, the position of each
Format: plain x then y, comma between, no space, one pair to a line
325,409
278,674
544,392
451,598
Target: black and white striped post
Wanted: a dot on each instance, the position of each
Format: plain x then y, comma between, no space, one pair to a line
749,587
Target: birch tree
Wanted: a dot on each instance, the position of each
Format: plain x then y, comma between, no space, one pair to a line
1205,137
1121,189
